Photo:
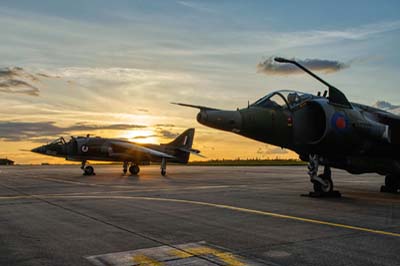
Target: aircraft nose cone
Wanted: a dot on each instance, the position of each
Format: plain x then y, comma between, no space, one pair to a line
225,120
40,149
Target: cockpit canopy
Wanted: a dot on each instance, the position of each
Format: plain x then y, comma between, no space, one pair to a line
283,99
59,141
64,140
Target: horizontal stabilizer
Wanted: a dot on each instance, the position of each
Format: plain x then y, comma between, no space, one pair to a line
192,151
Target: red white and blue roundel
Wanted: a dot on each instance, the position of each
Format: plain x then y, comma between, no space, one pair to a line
339,121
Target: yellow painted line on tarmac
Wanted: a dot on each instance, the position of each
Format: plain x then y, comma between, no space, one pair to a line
127,190
145,261
184,254
222,206
228,258
67,181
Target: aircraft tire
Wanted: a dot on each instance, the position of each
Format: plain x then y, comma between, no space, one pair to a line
89,170
163,172
134,169
319,188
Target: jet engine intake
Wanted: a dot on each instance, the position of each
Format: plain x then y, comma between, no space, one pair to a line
309,123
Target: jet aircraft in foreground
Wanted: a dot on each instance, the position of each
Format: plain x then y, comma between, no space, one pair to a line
323,129
131,154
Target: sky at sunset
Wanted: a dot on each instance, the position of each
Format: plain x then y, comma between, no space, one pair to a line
111,68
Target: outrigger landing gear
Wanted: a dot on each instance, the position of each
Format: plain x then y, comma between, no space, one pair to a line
392,184
323,184
87,169
134,169
163,166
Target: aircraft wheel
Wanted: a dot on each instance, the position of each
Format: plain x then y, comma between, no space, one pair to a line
134,169
89,170
392,183
318,187
163,172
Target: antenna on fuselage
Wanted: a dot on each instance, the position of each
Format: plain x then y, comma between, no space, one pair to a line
335,95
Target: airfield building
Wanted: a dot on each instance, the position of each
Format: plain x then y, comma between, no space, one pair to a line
6,161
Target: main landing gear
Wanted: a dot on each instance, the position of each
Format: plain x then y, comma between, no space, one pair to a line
163,166
134,168
87,169
392,184
322,183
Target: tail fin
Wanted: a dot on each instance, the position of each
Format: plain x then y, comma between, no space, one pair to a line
182,146
184,140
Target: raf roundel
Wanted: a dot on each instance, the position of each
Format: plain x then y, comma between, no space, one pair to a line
84,148
339,121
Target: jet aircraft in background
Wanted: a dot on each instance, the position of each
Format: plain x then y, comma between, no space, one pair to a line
323,129
131,154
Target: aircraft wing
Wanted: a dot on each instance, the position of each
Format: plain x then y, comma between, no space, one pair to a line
135,147
196,106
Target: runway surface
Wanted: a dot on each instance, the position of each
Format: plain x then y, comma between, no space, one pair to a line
52,215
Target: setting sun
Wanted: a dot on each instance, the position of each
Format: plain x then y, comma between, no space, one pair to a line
141,136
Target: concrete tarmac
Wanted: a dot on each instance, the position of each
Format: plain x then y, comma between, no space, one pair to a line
52,215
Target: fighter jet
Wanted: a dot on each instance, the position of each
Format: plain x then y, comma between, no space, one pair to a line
117,150
323,129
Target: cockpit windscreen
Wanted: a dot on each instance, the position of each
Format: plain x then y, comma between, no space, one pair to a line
283,99
59,141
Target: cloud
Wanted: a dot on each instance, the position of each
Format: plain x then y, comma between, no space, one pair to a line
168,134
18,80
18,86
44,75
54,34
85,127
41,140
13,72
195,6
270,67
117,75
43,131
144,137
387,106
164,125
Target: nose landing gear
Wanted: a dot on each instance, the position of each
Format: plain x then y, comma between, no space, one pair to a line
87,169
322,183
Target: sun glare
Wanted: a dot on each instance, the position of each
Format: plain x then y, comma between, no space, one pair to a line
141,136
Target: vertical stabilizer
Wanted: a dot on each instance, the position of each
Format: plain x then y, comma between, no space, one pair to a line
182,145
